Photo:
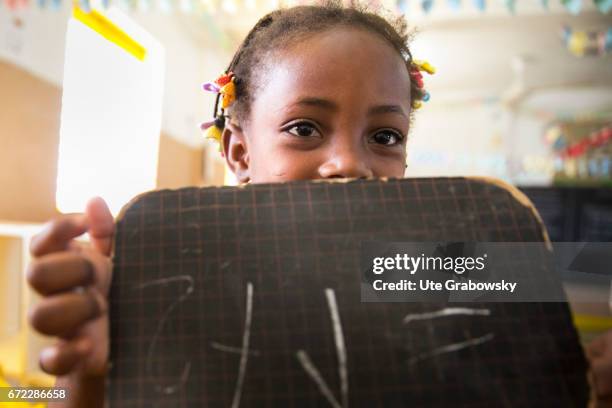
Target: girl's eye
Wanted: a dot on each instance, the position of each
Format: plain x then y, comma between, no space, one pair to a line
303,129
387,138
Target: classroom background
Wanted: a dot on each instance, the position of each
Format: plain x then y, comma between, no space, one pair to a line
523,92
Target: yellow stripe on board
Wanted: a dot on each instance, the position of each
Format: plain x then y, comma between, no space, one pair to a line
592,323
107,29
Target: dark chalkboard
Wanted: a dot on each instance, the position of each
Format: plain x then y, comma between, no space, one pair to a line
250,297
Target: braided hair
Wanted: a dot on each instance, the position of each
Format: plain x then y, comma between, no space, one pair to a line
283,27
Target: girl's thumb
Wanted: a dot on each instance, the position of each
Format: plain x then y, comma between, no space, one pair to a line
101,225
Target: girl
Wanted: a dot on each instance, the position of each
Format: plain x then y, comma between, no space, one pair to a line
312,93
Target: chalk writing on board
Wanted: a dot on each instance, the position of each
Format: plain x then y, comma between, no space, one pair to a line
172,388
449,348
316,376
244,355
230,349
311,369
447,311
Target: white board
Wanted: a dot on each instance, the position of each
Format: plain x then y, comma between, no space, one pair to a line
111,116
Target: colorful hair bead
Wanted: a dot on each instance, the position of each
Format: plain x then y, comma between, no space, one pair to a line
225,78
225,88
228,94
417,77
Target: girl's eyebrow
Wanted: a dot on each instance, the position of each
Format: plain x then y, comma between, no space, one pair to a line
380,109
317,102
330,105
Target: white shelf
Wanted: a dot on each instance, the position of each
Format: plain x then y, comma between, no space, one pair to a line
20,345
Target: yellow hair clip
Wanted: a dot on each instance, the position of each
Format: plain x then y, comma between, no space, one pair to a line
424,66
214,130
214,133
228,94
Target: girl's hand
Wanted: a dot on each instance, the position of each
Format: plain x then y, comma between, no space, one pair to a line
74,280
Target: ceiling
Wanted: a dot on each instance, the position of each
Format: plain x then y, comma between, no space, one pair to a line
474,51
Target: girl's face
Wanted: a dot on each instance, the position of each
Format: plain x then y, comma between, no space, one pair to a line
335,105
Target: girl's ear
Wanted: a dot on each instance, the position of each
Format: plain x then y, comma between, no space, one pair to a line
236,151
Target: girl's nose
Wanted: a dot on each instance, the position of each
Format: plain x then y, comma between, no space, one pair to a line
346,162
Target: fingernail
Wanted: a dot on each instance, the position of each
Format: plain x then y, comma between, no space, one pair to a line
44,230
46,354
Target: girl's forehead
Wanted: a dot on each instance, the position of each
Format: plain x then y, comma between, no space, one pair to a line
342,63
